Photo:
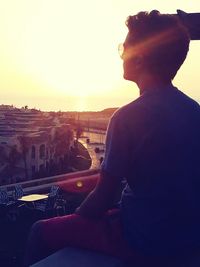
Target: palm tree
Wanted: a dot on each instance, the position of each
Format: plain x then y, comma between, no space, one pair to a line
62,141
10,158
13,158
24,146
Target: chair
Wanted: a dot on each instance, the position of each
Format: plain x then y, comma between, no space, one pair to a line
4,198
54,191
47,208
60,202
18,192
60,206
5,203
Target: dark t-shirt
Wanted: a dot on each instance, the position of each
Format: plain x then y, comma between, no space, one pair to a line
154,143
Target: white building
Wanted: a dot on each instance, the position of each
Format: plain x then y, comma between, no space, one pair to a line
29,143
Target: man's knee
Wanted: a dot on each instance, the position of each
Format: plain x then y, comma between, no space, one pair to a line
36,231
36,247
37,226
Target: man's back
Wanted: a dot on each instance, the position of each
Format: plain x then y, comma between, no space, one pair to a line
161,204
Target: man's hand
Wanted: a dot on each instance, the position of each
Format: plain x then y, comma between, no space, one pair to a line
102,198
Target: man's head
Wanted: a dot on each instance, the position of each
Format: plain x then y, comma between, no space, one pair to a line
156,43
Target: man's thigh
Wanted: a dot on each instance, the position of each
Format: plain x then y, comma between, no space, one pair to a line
74,230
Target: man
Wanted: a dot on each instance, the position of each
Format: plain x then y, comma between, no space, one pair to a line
153,143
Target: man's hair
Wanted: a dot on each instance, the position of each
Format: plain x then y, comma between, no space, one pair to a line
162,39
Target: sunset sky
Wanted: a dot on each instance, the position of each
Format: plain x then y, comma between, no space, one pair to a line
62,54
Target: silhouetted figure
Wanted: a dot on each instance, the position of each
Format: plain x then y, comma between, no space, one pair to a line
153,143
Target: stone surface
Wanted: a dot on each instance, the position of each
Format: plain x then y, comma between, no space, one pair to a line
74,257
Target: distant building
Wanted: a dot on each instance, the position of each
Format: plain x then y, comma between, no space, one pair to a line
32,143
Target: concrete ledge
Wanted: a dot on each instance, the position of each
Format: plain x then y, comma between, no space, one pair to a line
43,184
74,257
76,185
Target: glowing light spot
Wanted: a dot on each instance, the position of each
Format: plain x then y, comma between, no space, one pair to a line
79,184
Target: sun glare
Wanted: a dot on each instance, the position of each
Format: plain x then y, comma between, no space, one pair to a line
67,49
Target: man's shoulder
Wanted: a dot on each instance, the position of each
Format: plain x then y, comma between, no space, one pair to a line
131,109
188,99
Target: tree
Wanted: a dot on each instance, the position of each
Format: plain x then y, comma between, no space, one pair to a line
24,146
10,157
13,158
62,141
79,131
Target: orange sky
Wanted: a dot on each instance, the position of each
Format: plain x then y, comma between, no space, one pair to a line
62,55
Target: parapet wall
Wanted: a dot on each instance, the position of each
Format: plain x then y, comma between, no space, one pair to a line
82,181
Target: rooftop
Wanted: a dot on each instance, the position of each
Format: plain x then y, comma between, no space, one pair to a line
15,225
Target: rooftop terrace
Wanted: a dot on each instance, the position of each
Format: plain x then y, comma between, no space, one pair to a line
15,224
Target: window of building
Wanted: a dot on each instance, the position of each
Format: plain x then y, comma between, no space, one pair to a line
47,152
42,151
41,168
47,166
33,169
33,152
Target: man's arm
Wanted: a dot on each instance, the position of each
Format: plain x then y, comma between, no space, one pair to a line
102,198
114,168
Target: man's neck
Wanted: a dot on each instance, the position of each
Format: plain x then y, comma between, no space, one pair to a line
147,82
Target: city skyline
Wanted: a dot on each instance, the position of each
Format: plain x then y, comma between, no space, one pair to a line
62,55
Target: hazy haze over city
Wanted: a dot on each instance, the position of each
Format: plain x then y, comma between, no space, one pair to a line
62,55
